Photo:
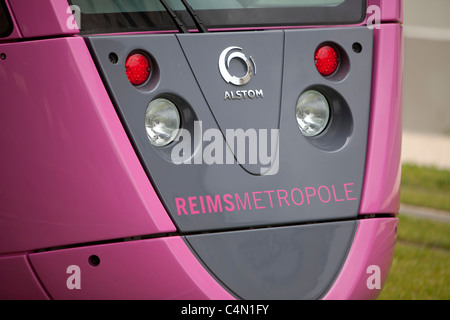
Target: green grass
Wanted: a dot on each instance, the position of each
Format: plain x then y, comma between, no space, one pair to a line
418,273
421,266
425,187
424,232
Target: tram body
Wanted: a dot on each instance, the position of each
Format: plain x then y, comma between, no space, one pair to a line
239,149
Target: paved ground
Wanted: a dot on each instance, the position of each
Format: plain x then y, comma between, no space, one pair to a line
426,149
432,214
430,150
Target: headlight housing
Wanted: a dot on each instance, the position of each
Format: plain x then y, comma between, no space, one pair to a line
313,113
162,122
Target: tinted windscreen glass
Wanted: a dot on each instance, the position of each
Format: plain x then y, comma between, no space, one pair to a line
5,21
111,6
150,15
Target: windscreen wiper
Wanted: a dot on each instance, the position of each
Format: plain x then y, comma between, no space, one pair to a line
181,27
198,23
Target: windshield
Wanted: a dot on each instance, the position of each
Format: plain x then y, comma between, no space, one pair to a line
115,6
5,21
150,15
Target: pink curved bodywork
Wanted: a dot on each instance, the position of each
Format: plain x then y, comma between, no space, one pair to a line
99,180
381,192
87,176
35,19
158,269
374,245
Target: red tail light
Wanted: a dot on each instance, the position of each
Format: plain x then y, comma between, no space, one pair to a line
327,60
138,68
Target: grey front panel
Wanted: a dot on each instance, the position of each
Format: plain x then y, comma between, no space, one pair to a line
313,179
299,262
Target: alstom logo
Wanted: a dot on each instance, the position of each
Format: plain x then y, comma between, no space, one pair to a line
225,59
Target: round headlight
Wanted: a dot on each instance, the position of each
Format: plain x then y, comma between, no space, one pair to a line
313,113
162,122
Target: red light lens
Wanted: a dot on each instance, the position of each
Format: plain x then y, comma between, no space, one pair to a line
327,60
138,68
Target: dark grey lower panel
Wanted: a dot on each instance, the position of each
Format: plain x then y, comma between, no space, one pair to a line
299,262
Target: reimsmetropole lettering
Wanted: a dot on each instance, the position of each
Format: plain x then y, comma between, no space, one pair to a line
257,200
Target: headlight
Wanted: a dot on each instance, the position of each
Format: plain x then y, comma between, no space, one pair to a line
162,122
313,113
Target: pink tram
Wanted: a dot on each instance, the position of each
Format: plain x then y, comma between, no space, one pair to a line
173,149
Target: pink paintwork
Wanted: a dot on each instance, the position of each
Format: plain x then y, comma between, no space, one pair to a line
172,272
41,18
30,17
18,281
381,192
375,239
374,245
161,269
98,190
70,174
391,10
